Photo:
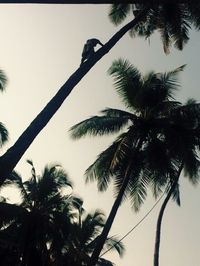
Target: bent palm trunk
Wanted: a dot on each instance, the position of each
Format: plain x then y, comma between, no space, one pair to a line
160,217
9,160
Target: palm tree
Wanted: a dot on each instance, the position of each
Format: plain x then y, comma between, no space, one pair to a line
184,138
139,155
9,160
78,247
40,217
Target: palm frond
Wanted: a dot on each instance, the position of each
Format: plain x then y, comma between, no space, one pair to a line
110,112
92,225
127,80
169,82
110,160
192,166
98,126
16,179
194,14
138,192
118,13
33,171
101,170
114,243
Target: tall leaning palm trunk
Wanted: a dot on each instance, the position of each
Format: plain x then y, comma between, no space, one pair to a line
160,217
9,160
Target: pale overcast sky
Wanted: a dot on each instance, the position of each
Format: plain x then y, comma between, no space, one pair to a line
40,48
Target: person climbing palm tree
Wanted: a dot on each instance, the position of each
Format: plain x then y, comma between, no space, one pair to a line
176,31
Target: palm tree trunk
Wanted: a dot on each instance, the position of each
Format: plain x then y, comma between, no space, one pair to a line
106,229
9,160
113,212
160,217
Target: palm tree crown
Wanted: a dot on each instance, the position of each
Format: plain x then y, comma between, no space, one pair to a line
81,243
172,20
149,99
43,215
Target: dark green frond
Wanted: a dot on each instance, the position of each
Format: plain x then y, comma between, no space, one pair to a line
16,180
169,82
52,180
91,227
138,191
98,126
77,202
118,13
192,167
113,242
194,14
127,80
110,112
100,170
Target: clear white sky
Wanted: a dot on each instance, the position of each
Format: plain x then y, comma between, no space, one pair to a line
40,47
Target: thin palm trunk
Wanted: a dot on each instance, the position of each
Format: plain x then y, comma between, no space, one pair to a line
109,222
9,160
113,212
160,217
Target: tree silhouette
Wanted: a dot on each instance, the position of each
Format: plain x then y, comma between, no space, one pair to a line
140,155
77,248
184,138
38,220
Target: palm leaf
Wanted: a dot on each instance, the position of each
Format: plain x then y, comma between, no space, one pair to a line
127,80
114,243
100,170
110,112
98,125
118,13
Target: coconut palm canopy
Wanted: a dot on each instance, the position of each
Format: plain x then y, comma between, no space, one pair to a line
150,103
49,227
172,20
